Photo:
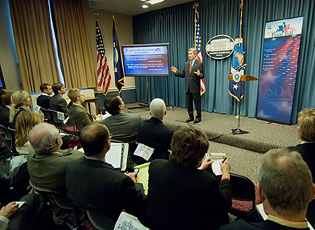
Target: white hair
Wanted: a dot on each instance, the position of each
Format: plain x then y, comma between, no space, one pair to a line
157,108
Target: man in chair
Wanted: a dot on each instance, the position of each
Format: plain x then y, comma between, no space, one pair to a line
123,126
57,102
44,98
285,187
77,112
47,163
95,185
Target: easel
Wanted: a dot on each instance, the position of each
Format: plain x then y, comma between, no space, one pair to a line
243,78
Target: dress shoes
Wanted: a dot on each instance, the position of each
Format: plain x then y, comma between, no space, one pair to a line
197,120
189,119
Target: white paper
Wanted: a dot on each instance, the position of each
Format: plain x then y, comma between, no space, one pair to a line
130,222
217,158
144,151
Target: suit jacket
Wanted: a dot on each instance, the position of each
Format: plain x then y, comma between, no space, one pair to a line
80,116
4,116
185,198
192,80
3,225
307,150
43,101
123,126
95,185
155,134
48,171
58,103
267,225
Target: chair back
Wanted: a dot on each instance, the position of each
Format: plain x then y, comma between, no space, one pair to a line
100,220
243,189
47,116
54,117
64,209
8,141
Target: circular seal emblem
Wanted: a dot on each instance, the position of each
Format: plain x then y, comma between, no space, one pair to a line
220,47
237,76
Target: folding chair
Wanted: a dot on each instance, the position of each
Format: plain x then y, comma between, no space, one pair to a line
8,142
47,116
100,220
243,190
65,211
54,117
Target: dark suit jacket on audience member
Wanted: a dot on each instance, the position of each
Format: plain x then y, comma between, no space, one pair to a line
4,116
155,134
307,150
80,116
97,186
58,103
43,101
185,198
123,126
267,225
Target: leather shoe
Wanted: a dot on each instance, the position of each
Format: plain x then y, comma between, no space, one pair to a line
197,120
189,119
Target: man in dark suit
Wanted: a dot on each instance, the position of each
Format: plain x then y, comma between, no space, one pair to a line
57,102
44,98
95,185
192,72
77,112
285,187
154,133
5,110
123,126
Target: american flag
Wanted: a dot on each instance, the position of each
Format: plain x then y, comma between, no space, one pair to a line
236,89
198,46
103,75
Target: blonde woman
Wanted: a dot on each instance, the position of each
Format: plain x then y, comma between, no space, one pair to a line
24,123
20,102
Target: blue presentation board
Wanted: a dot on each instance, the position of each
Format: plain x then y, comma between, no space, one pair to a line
279,68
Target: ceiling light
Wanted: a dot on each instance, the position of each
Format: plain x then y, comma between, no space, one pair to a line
144,6
155,1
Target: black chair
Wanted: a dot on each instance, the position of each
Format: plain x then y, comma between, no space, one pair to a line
243,195
47,116
8,142
243,189
54,117
65,211
100,221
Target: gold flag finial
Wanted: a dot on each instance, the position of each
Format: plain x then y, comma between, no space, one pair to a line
196,5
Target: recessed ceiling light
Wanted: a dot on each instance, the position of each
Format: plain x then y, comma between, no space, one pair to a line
155,1
144,6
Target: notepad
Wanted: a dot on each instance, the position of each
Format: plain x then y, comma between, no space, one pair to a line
217,158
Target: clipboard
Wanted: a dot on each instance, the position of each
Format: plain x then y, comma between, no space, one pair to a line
117,155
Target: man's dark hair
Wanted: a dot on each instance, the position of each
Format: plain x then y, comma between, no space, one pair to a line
93,139
43,86
6,98
56,87
112,103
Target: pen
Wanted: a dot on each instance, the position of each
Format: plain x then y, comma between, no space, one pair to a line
224,160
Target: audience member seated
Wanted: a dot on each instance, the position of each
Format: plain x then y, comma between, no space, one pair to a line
77,112
123,126
20,102
95,185
1,93
182,195
44,98
306,131
57,102
5,110
46,163
154,133
285,187
5,213
24,123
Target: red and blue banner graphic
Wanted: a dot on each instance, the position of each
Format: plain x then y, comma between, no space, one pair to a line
279,69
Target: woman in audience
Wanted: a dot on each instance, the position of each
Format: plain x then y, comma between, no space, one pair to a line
181,194
306,131
20,102
24,123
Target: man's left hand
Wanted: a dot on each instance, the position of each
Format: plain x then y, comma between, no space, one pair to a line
197,72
